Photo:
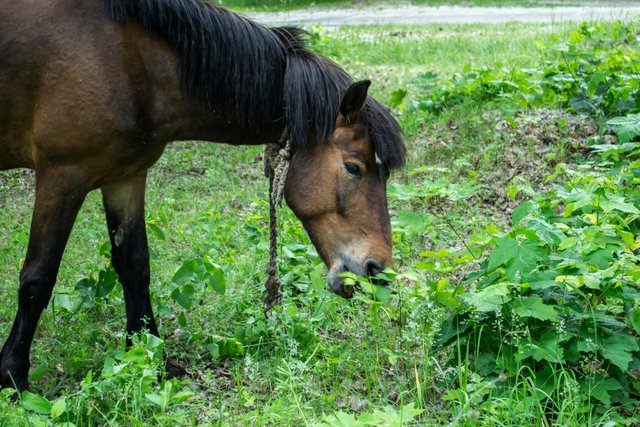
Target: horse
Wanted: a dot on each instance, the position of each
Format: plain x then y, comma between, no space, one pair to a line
92,91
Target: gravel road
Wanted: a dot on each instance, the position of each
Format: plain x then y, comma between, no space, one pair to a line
443,14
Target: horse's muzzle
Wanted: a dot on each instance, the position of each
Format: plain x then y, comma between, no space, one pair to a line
370,269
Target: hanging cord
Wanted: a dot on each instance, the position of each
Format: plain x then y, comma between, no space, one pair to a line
276,166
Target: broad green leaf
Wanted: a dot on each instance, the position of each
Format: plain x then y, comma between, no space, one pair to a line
35,402
521,212
600,257
513,192
377,292
184,295
409,274
442,253
290,254
568,243
230,347
583,198
533,307
58,408
412,222
592,280
397,96
547,232
502,254
543,279
444,294
155,398
391,416
86,288
485,363
136,354
627,237
215,277
38,372
340,419
618,348
214,350
181,396
610,149
225,347
581,104
601,389
64,301
606,320
447,299
634,318
403,191
107,369
409,412
595,81
547,348
568,210
626,127
107,280
452,394
490,298
617,203
187,272
588,345
152,342
517,257
156,231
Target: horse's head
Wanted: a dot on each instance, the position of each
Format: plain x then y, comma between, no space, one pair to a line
337,189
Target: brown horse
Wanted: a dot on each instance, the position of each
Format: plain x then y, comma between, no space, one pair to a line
91,91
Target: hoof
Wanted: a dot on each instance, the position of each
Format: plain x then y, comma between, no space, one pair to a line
19,386
174,370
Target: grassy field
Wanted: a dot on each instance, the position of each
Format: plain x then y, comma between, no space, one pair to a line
319,360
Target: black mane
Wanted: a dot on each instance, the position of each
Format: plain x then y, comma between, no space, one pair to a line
260,74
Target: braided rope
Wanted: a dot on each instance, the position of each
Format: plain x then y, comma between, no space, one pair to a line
276,167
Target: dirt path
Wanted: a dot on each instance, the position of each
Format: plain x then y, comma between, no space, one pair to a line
443,14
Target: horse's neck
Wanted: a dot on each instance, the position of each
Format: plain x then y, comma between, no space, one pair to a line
175,117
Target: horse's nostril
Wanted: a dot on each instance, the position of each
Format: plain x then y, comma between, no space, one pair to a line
373,268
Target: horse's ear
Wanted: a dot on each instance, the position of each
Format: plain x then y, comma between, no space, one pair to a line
353,101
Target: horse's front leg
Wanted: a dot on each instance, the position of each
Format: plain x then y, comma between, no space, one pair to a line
60,192
124,207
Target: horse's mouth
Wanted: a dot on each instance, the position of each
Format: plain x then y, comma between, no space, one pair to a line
346,290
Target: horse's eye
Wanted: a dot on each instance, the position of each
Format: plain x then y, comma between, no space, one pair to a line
353,169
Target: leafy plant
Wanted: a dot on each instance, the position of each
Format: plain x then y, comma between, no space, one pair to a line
559,291
388,417
129,389
596,73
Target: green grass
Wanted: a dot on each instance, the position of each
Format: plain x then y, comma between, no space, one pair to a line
394,56
318,357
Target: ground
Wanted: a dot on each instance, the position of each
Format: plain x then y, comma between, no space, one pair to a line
420,14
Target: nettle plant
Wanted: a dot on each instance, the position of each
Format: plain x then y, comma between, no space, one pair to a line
594,73
560,292
557,301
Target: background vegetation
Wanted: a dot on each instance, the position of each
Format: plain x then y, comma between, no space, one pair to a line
516,247
274,5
